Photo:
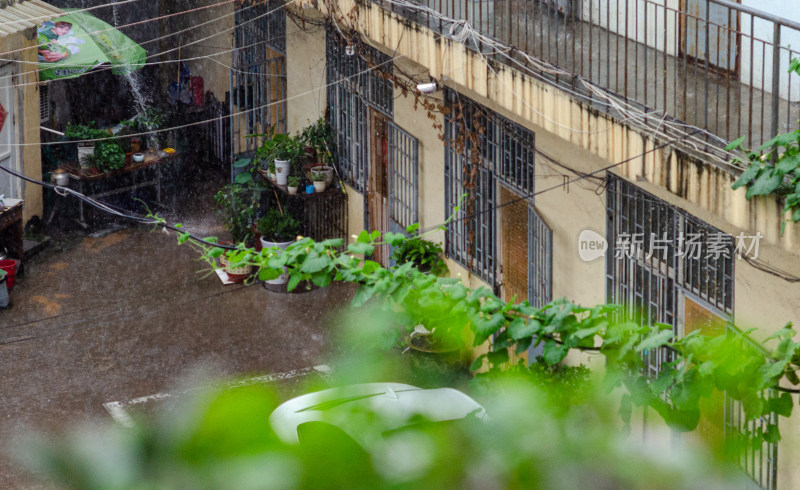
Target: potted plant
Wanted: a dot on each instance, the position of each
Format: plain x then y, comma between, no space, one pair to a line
319,180
318,141
85,136
294,183
271,171
278,229
284,152
146,122
107,156
236,205
425,254
327,171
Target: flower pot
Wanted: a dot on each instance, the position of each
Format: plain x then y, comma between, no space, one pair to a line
324,169
292,190
282,171
283,278
84,156
235,274
319,186
309,189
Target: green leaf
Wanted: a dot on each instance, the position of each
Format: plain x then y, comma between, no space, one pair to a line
243,178
520,327
216,252
498,357
764,184
784,139
782,405
412,228
652,341
787,164
748,175
477,363
485,327
735,144
772,434
321,279
294,280
314,264
394,239
242,162
554,352
360,248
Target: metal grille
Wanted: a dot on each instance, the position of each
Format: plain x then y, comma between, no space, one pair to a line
352,87
258,74
708,274
364,73
649,260
720,66
540,260
517,165
403,176
759,463
470,238
218,130
44,103
480,148
348,118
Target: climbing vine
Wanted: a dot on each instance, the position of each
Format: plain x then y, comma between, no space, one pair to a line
746,371
774,168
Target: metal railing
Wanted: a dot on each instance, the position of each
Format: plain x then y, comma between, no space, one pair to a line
712,64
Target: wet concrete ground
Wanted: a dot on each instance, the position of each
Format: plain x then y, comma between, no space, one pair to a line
125,314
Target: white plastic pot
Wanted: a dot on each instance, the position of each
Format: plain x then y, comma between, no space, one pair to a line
319,186
283,278
282,171
292,190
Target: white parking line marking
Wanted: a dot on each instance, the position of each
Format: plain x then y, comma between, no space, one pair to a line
118,411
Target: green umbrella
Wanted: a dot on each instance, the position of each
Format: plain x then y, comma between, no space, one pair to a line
73,44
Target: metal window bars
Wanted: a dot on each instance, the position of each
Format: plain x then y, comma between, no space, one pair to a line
760,463
713,64
258,74
481,147
403,176
352,88
540,260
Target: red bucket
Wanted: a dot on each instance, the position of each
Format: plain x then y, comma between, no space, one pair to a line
10,266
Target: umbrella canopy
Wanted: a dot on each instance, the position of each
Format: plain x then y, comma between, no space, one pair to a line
73,44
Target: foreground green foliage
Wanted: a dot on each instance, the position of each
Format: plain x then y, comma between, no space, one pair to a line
774,168
222,439
731,362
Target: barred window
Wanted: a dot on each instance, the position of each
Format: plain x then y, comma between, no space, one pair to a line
481,148
403,175
366,72
355,83
258,74
540,260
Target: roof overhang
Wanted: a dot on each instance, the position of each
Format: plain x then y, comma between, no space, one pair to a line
18,15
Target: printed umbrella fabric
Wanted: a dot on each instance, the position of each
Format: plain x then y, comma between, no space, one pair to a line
75,43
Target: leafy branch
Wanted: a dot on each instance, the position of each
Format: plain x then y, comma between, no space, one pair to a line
697,365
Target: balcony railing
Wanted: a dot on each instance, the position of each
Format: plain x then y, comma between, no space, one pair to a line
712,64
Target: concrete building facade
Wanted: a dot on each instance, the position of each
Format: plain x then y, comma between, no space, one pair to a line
546,192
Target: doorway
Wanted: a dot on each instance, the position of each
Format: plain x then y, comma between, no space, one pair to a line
9,185
378,186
